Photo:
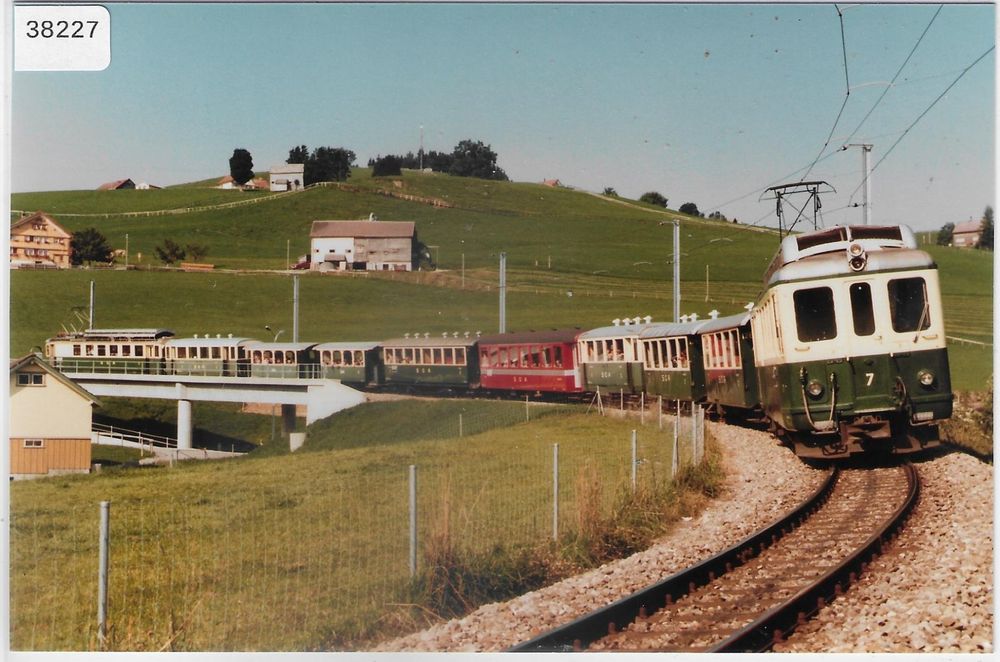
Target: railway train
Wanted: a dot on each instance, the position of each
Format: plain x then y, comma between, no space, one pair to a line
842,353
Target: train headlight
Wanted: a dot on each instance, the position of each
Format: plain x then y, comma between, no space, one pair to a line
814,389
926,378
856,257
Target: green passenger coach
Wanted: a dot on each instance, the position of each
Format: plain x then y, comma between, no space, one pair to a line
447,361
850,343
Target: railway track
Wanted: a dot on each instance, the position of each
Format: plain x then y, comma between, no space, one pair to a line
753,594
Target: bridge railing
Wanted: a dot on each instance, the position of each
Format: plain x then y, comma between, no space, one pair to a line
188,368
141,438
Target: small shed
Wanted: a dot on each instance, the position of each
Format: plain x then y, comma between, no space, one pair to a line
42,444
362,245
967,234
288,177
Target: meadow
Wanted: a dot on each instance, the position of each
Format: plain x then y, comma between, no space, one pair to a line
309,551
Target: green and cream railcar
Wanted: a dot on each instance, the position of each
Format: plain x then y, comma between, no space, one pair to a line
350,362
285,360
672,363
447,361
612,357
728,362
109,351
850,343
207,356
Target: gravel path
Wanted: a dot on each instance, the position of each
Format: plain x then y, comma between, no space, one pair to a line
763,482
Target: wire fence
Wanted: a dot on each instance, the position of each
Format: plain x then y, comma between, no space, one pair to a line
316,561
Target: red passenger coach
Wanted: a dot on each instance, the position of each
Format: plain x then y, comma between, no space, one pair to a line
543,361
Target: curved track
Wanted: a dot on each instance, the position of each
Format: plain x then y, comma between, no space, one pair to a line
747,597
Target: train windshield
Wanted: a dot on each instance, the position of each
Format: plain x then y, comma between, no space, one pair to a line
862,310
908,304
814,314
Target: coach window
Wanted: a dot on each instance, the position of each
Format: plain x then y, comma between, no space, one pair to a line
814,314
76,350
908,304
102,350
862,310
460,355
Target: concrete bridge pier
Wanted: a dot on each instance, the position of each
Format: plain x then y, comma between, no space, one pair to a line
287,420
185,425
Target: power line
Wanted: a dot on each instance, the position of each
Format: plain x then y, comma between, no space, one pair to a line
920,117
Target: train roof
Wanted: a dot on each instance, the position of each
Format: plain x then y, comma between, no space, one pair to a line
544,336
363,345
728,322
617,331
294,346
209,342
431,341
117,334
836,264
665,329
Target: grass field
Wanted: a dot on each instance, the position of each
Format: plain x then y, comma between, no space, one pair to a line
305,551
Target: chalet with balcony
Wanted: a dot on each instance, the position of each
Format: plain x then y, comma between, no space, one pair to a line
38,241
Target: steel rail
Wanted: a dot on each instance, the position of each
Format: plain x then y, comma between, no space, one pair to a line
581,632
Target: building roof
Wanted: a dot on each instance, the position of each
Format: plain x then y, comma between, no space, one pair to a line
288,169
117,184
321,229
38,215
36,360
968,226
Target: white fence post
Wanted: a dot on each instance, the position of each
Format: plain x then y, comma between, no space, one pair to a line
102,574
635,461
555,491
459,425
659,412
642,408
413,520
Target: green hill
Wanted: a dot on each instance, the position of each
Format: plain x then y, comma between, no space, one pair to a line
573,258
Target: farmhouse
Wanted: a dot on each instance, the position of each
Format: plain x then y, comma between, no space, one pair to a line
288,177
967,234
38,241
117,185
42,443
362,245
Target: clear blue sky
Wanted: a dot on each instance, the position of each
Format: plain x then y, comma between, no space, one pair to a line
703,103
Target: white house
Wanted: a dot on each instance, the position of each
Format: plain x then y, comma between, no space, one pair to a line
288,177
362,245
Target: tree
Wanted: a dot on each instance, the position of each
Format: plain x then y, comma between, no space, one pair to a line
325,164
387,166
89,246
196,251
689,208
653,198
986,237
945,234
610,192
241,166
170,252
718,216
421,255
298,154
474,159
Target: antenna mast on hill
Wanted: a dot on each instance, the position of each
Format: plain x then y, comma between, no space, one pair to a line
782,191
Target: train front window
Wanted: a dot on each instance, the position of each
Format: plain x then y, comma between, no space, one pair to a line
862,310
908,305
814,314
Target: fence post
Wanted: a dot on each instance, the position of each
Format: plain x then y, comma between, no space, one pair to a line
694,431
102,575
621,395
413,520
635,461
527,414
659,413
642,408
459,425
555,492
674,451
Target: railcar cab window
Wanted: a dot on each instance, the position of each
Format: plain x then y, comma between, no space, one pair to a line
814,314
908,305
861,309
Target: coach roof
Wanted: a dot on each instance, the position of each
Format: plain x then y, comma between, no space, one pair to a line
529,337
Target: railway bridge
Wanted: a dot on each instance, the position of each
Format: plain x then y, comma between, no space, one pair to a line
321,397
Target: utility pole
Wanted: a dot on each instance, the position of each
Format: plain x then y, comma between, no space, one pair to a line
677,272
706,282
421,146
126,250
503,293
90,318
866,204
295,308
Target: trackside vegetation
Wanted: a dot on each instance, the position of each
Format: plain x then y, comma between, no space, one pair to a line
309,551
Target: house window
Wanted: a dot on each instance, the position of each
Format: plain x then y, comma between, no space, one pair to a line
30,379
34,443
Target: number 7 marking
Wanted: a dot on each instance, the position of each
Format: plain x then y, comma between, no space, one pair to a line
871,378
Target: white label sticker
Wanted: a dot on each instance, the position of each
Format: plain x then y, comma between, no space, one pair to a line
61,38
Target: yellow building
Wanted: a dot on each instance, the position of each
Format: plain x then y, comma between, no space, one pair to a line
38,241
50,421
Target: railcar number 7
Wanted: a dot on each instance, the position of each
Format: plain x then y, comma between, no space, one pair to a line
871,378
